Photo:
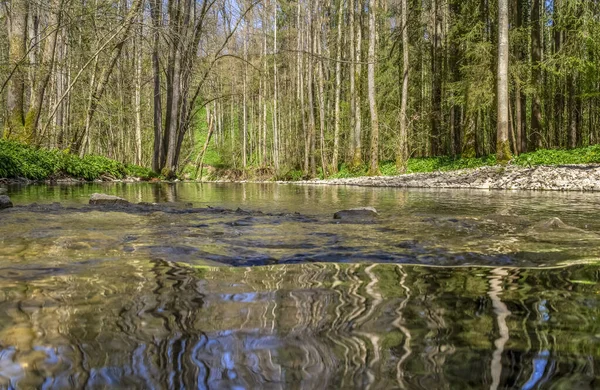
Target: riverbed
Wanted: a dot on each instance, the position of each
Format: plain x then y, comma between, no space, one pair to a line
256,286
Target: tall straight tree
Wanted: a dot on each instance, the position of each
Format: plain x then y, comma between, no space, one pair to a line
503,153
402,155
357,158
338,87
374,165
536,72
158,155
436,78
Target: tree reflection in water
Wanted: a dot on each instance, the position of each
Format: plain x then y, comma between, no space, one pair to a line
157,324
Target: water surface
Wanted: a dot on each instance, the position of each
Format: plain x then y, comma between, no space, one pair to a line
447,289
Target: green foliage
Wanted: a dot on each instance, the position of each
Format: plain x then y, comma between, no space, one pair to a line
388,168
346,171
433,164
18,160
290,175
143,173
588,155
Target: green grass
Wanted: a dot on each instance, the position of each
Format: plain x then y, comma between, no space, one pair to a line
550,157
587,155
18,160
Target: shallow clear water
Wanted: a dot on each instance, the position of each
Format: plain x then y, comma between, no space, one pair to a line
447,289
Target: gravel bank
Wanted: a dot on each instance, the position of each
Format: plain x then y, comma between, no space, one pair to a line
555,178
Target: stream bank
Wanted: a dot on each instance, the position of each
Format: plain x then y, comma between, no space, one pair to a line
545,178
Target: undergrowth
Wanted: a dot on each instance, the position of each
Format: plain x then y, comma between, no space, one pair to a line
549,157
22,161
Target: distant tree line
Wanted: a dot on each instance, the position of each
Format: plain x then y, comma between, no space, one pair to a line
300,85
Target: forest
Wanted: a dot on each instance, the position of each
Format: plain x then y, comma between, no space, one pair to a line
311,86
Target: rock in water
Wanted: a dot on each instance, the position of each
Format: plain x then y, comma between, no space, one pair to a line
553,224
5,202
3,191
357,214
103,199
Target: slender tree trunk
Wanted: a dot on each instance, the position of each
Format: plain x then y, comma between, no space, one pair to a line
374,166
436,77
520,97
311,103
138,93
158,156
352,92
536,57
173,113
321,84
402,155
305,132
572,112
264,118
245,98
338,88
357,159
503,153
275,92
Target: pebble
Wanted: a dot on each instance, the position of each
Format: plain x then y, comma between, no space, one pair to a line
547,178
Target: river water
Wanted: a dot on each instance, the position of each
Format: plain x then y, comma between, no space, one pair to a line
445,290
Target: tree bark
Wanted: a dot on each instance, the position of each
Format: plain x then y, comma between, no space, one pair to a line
275,92
436,74
503,153
158,155
536,57
357,158
338,88
138,94
321,85
374,166
402,154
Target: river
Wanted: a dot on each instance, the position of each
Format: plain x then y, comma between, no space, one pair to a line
445,290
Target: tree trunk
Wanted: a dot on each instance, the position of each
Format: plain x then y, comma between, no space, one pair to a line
536,57
245,103
357,158
275,92
402,155
352,142
572,112
436,74
138,93
503,153
321,101
311,103
374,166
338,88
158,156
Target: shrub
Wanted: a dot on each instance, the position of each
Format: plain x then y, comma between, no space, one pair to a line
143,173
19,160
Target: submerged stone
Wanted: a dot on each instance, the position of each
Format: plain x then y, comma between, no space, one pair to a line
356,214
5,202
3,191
553,224
103,199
